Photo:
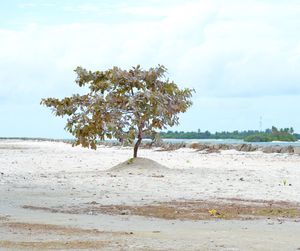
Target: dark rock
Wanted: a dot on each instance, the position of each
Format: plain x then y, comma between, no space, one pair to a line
288,149
267,149
272,149
247,148
297,150
238,147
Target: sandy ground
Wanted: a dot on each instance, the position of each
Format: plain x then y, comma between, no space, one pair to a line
56,197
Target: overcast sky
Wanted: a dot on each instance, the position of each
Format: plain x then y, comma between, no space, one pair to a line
241,57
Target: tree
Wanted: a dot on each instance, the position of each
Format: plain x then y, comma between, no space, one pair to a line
121,104
274,130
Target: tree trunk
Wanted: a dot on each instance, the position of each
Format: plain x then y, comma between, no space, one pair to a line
137,144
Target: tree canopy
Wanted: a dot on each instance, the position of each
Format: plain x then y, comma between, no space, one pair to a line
121,104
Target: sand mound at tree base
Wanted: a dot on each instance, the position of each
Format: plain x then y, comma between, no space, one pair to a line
139,164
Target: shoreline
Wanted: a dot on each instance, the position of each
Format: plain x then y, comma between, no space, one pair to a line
207,147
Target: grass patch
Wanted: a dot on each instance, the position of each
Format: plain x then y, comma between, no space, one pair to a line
279,212
130,161
190,210
46,245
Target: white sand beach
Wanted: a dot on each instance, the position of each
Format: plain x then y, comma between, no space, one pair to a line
55,196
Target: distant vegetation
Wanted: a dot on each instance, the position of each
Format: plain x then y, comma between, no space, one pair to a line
273,134
283,134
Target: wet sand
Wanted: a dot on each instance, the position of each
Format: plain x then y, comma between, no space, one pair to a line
55,197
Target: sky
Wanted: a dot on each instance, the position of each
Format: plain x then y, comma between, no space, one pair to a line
241,57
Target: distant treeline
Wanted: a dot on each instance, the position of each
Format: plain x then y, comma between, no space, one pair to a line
272,134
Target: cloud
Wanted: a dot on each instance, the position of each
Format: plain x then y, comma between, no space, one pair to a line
27,5
83,8
222,49
31,5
